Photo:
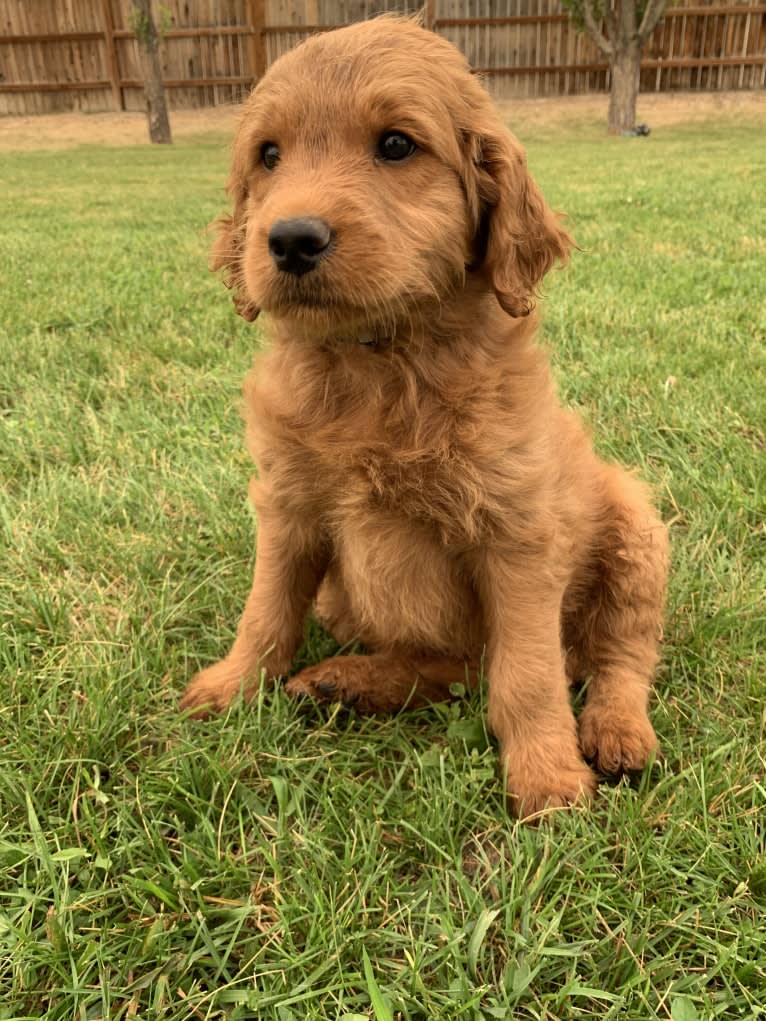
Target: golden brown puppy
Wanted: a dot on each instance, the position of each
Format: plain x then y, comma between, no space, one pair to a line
419,483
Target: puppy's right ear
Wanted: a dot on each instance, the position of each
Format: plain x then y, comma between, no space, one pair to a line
229,249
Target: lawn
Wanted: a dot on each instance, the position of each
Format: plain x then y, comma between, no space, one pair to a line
284,863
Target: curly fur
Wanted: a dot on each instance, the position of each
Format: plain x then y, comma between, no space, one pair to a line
419,483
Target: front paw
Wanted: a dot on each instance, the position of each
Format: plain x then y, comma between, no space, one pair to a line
212,690
543,783
616,741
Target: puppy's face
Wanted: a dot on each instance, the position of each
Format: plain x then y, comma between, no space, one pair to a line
353,213
369,172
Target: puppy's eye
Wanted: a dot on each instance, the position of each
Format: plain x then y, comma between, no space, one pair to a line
269,155
395,146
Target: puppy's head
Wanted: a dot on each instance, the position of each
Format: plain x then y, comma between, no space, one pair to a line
370,173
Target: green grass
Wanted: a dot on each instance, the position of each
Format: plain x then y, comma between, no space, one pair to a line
285,864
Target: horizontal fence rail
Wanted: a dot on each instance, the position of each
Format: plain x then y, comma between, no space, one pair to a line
82,54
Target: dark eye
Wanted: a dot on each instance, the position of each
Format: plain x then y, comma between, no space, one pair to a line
269,155
395,146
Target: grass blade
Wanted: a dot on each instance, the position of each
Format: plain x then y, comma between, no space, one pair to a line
379,1005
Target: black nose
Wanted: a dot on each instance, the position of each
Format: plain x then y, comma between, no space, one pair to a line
297,245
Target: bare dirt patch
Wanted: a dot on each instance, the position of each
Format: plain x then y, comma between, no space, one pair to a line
64,130
659,110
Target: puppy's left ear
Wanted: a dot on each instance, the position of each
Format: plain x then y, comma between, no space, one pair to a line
522,237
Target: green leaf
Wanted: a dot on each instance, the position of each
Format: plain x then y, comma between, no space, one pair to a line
682,1009
70,854
379,1005
480,930
757,880
281,791
472,732
431,758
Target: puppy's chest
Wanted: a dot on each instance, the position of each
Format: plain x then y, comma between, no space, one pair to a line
406,476
394,457
434,485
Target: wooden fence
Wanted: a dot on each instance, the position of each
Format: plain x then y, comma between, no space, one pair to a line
81,54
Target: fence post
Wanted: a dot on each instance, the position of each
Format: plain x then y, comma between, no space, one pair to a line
257,47
429,14
111,54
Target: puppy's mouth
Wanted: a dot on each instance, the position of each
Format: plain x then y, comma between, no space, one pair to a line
313,303
307,302
326,321
291,296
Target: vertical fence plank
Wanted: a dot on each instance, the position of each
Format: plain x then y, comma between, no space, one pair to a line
429,14
256,10
744,51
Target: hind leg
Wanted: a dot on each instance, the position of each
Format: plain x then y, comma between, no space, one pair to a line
615,636
384,682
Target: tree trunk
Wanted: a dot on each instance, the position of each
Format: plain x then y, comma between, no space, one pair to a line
621,41
625,68
151,69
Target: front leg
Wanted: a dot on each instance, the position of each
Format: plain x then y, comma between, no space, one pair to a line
290,562
528,704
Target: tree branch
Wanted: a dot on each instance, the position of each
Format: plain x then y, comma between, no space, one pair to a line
593,29
628,19
611,24
652,14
